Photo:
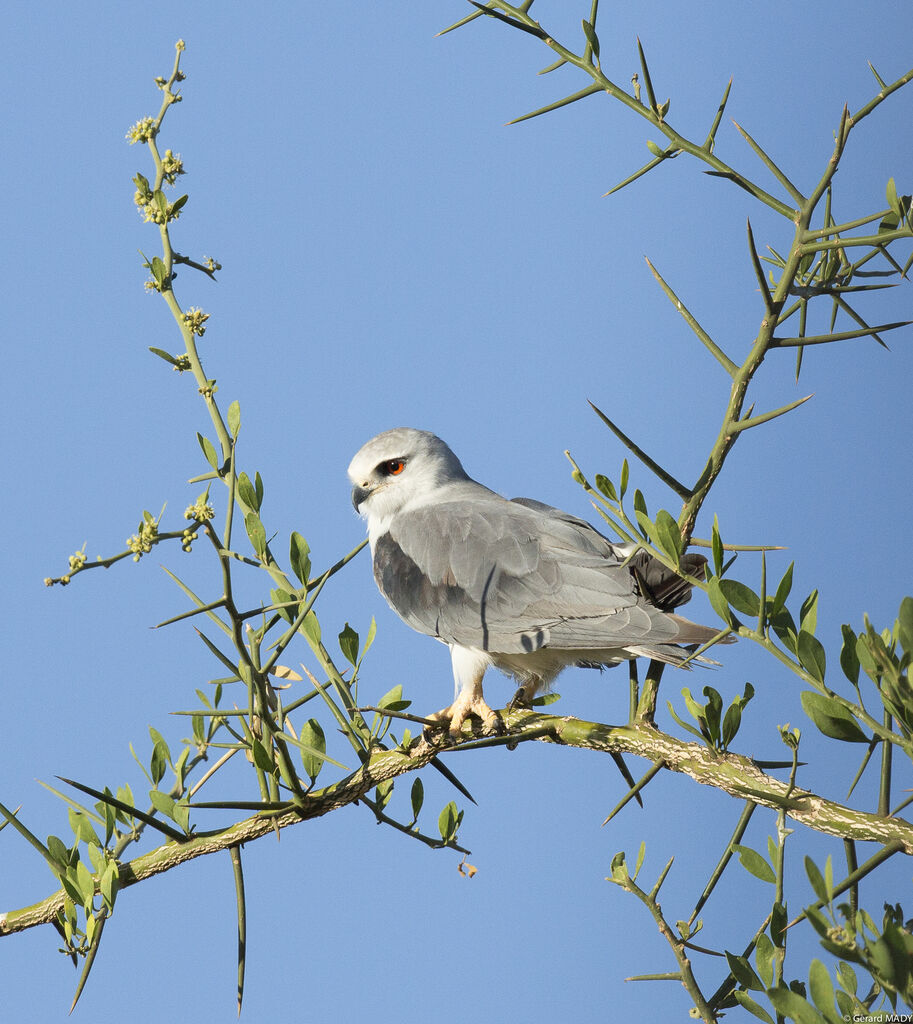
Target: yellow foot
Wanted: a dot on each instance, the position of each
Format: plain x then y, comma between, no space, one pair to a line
465,705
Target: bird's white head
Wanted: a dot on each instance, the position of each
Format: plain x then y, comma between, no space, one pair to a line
399,469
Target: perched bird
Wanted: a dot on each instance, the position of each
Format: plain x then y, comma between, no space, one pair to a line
515,584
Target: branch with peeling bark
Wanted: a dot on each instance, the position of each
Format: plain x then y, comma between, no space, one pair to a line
735,774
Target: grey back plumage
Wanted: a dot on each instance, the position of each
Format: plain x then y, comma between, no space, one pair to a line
511,577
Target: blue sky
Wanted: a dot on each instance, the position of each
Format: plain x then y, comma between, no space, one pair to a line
394,255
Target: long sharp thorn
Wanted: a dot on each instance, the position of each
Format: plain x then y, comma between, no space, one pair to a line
134,812
588,91
759,271
459,24
451,778
90,959
235,853
655,162
728,365
648,83
878,78
794,193
492,13
825,339
666,478
711,135
765,417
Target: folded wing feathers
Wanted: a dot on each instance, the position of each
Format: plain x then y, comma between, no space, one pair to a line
514,576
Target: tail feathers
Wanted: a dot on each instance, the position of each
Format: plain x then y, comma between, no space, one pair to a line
661,586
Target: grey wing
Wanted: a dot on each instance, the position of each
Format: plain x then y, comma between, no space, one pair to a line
511,578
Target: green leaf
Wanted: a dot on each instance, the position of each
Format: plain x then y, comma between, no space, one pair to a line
742,598
278,596
234,418
312,736
745,1000
778,922
783,589
905,624
82,827
743,973
893,201
846,976
792,1005
849,661
348,644
817,881
417,797
623,479
263,759
811,655
208,450
605,485
159,739
785,628
162,354
684,725
733,718
162,802
544,699
59,853
158,762
640,503
716,545
369,639
448,821
247,493
832,718
256,533
109,884
821,987
384,791
808,614
299,557
718,600
85,883
392,700
668,535
754,863
764,956
654,149
638,863
590,32
178,204
311,628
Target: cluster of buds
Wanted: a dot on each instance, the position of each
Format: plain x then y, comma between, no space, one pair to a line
200,512
77,561
143,131
147,533
172,166
195,319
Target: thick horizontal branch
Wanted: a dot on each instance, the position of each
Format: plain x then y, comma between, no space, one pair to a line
734,774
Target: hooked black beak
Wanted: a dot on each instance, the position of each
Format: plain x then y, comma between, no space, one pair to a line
358,496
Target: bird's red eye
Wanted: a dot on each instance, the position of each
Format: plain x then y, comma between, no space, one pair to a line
393,467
